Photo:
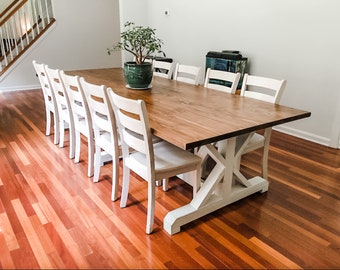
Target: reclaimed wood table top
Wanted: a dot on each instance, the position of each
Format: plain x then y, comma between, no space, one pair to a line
189,116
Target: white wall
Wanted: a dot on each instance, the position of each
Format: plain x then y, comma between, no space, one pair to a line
134,11
295,40
4,4
75,42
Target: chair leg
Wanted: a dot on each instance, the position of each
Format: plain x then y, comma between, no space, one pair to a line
56,126
77,147
62,133
165,184
72,139
115,177
90,154
125,186
48,122
97,160
151,207
159,183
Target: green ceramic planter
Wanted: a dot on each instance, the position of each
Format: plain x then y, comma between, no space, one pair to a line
138,76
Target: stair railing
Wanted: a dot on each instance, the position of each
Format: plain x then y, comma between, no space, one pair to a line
22,26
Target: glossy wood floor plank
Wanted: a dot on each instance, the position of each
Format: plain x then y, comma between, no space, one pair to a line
53,216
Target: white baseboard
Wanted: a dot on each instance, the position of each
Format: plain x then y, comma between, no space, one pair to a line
22,88
303,135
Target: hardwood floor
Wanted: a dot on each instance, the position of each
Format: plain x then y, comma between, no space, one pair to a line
53,216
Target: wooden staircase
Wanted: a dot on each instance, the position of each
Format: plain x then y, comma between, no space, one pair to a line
21,26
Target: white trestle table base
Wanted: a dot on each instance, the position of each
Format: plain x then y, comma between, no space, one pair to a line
224,185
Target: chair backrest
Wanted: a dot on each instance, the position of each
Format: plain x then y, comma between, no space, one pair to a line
80,108
263,88
222,80
102,114
187,73
163,69
135,132
60,93
46,87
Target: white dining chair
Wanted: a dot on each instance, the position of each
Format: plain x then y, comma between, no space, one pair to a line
269,90
187,73
81,117
64,108
163,69
105,131
151,161
50,101
222,80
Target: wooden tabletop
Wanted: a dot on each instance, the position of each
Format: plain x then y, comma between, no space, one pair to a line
189,116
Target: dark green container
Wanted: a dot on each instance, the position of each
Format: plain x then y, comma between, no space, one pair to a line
138,76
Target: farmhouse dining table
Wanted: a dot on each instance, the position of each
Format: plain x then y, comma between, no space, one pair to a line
195,117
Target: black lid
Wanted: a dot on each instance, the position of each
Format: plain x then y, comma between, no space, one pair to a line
227,54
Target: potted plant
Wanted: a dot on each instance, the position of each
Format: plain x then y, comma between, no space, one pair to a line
141,42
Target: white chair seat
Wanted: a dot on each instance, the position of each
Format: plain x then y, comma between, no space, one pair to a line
167,156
